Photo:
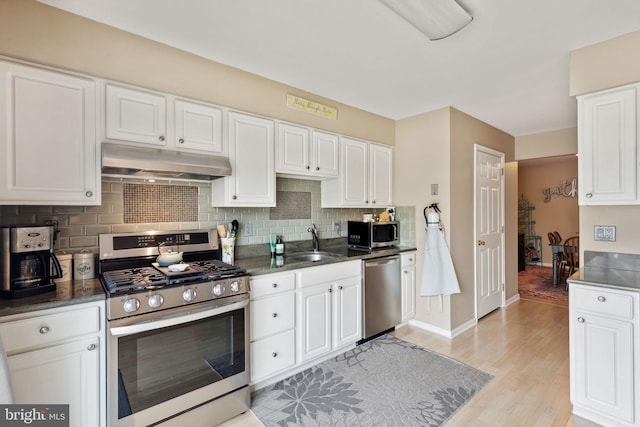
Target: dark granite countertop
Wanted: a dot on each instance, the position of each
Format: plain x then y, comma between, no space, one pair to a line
607,277
264,265
66,293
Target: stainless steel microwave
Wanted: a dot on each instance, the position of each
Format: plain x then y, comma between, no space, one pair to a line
370,235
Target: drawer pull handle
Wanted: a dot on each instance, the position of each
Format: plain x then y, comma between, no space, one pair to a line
274,354
274,315
44,330
580,319
275,285
91,347
589,195
601,298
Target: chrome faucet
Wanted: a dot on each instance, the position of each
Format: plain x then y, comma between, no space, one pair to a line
314,233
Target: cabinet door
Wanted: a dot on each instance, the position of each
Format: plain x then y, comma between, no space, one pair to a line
347,312
63,374
48,148
408,292
325,153
602,371
354,173
314,326
293,149
135,116
198,126
607,144
380,175
251,153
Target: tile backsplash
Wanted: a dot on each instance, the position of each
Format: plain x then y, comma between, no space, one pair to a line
80,225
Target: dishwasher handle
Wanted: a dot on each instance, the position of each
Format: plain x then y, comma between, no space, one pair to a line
382,261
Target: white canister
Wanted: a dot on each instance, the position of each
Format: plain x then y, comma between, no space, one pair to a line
83,265
65,260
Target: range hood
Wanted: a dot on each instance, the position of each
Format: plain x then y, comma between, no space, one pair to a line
153,163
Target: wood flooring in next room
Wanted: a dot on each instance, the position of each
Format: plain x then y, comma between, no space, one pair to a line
525,346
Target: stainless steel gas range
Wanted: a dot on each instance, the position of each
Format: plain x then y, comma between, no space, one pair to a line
178,341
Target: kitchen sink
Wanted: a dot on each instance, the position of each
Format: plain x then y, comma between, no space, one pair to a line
312,256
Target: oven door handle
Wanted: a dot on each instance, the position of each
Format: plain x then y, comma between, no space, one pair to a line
183,316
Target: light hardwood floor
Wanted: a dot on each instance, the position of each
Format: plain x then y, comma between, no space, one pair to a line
525,346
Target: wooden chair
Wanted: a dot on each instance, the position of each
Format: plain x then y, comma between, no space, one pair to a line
571,255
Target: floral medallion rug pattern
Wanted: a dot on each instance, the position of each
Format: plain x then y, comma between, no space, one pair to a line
386,381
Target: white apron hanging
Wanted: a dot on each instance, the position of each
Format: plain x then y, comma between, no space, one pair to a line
438,274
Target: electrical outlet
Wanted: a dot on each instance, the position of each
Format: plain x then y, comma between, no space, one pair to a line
248,229
336,226
606,233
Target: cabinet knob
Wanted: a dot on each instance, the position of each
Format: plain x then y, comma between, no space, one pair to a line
307,167
274,285
181,141
330,290
89,193
340,287
373,202
274,315
405,271
366,201
91,347
234,197
601,298
580,319
588,195
44,330
317,168
161,137
274,354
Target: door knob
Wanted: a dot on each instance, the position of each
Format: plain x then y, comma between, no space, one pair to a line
481,242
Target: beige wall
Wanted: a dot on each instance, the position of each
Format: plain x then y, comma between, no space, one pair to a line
547,144
560,214
36,32
421,158
593,68
605,65
465,132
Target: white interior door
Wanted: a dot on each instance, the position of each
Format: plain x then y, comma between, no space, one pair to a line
489,230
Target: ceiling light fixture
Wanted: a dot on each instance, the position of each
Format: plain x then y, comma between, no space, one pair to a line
437,19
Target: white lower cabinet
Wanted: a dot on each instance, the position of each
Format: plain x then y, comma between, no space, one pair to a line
408,285
603,328
57,356
300,316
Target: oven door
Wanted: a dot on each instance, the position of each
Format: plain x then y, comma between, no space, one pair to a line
160,366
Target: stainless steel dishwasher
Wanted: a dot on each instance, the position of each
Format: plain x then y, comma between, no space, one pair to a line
382,296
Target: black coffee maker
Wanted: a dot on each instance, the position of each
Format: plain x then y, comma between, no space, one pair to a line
26,260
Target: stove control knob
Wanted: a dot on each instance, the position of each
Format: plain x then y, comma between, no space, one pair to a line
235,286
155,300
130,305
218,289
188,295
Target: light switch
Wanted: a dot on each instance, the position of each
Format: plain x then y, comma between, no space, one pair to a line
606,233
434,189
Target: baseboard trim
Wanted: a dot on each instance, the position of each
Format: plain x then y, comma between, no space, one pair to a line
441,331
513,299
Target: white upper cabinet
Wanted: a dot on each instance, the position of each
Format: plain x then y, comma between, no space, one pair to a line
365,178
306,153
48,137
608,147
251,153
135,115
145,117
198,126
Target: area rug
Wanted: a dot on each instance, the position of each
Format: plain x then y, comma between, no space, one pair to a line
536,283
384,382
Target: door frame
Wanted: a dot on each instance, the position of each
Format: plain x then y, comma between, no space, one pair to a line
480,148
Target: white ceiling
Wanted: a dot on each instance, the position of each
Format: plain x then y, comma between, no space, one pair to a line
508,68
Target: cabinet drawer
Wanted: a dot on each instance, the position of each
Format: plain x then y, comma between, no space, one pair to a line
40,330
272,355
272,315
607,302
408,259
272,284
